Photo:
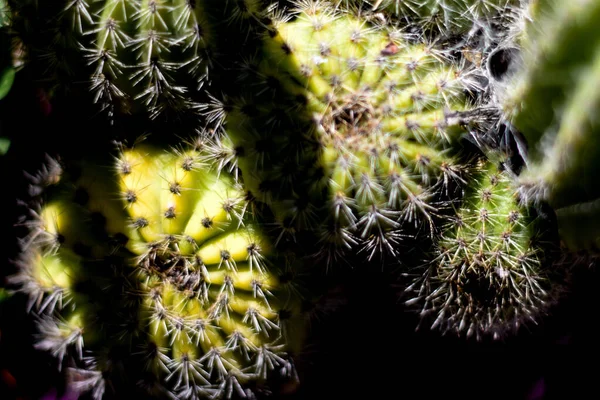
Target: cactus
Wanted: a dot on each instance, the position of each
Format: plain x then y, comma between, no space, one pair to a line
488,274
551,100
144,55
346,127
7,71
455,16
152,270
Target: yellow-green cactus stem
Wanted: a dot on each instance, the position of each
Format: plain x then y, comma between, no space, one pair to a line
64,268
347,127
48,279
487,275
212,298
152,267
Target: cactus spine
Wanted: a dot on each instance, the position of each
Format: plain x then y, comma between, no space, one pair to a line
454,16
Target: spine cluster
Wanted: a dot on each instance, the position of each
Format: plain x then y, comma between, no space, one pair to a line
446,16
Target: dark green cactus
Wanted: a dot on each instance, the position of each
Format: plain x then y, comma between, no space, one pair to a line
7,70
153,56
551,99
153,270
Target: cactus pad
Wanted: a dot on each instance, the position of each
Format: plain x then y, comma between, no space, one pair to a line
154,266
349,123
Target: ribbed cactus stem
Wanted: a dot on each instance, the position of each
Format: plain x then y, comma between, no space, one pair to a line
158,258
488,274
350,120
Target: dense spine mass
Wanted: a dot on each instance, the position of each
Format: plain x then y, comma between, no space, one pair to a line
488,274
157,52
347,127
152,271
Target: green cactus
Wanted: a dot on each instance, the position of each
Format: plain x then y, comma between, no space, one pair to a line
551,99
346,128
153,268
455,16
488,274
142,55
7,71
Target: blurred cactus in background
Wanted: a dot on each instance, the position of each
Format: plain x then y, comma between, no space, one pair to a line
551,98
7,71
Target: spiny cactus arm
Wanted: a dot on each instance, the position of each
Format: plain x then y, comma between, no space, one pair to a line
64,268
47,279
150,57
487,275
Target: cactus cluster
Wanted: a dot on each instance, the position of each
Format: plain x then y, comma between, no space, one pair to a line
151,56
205,305
329,132
347,127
